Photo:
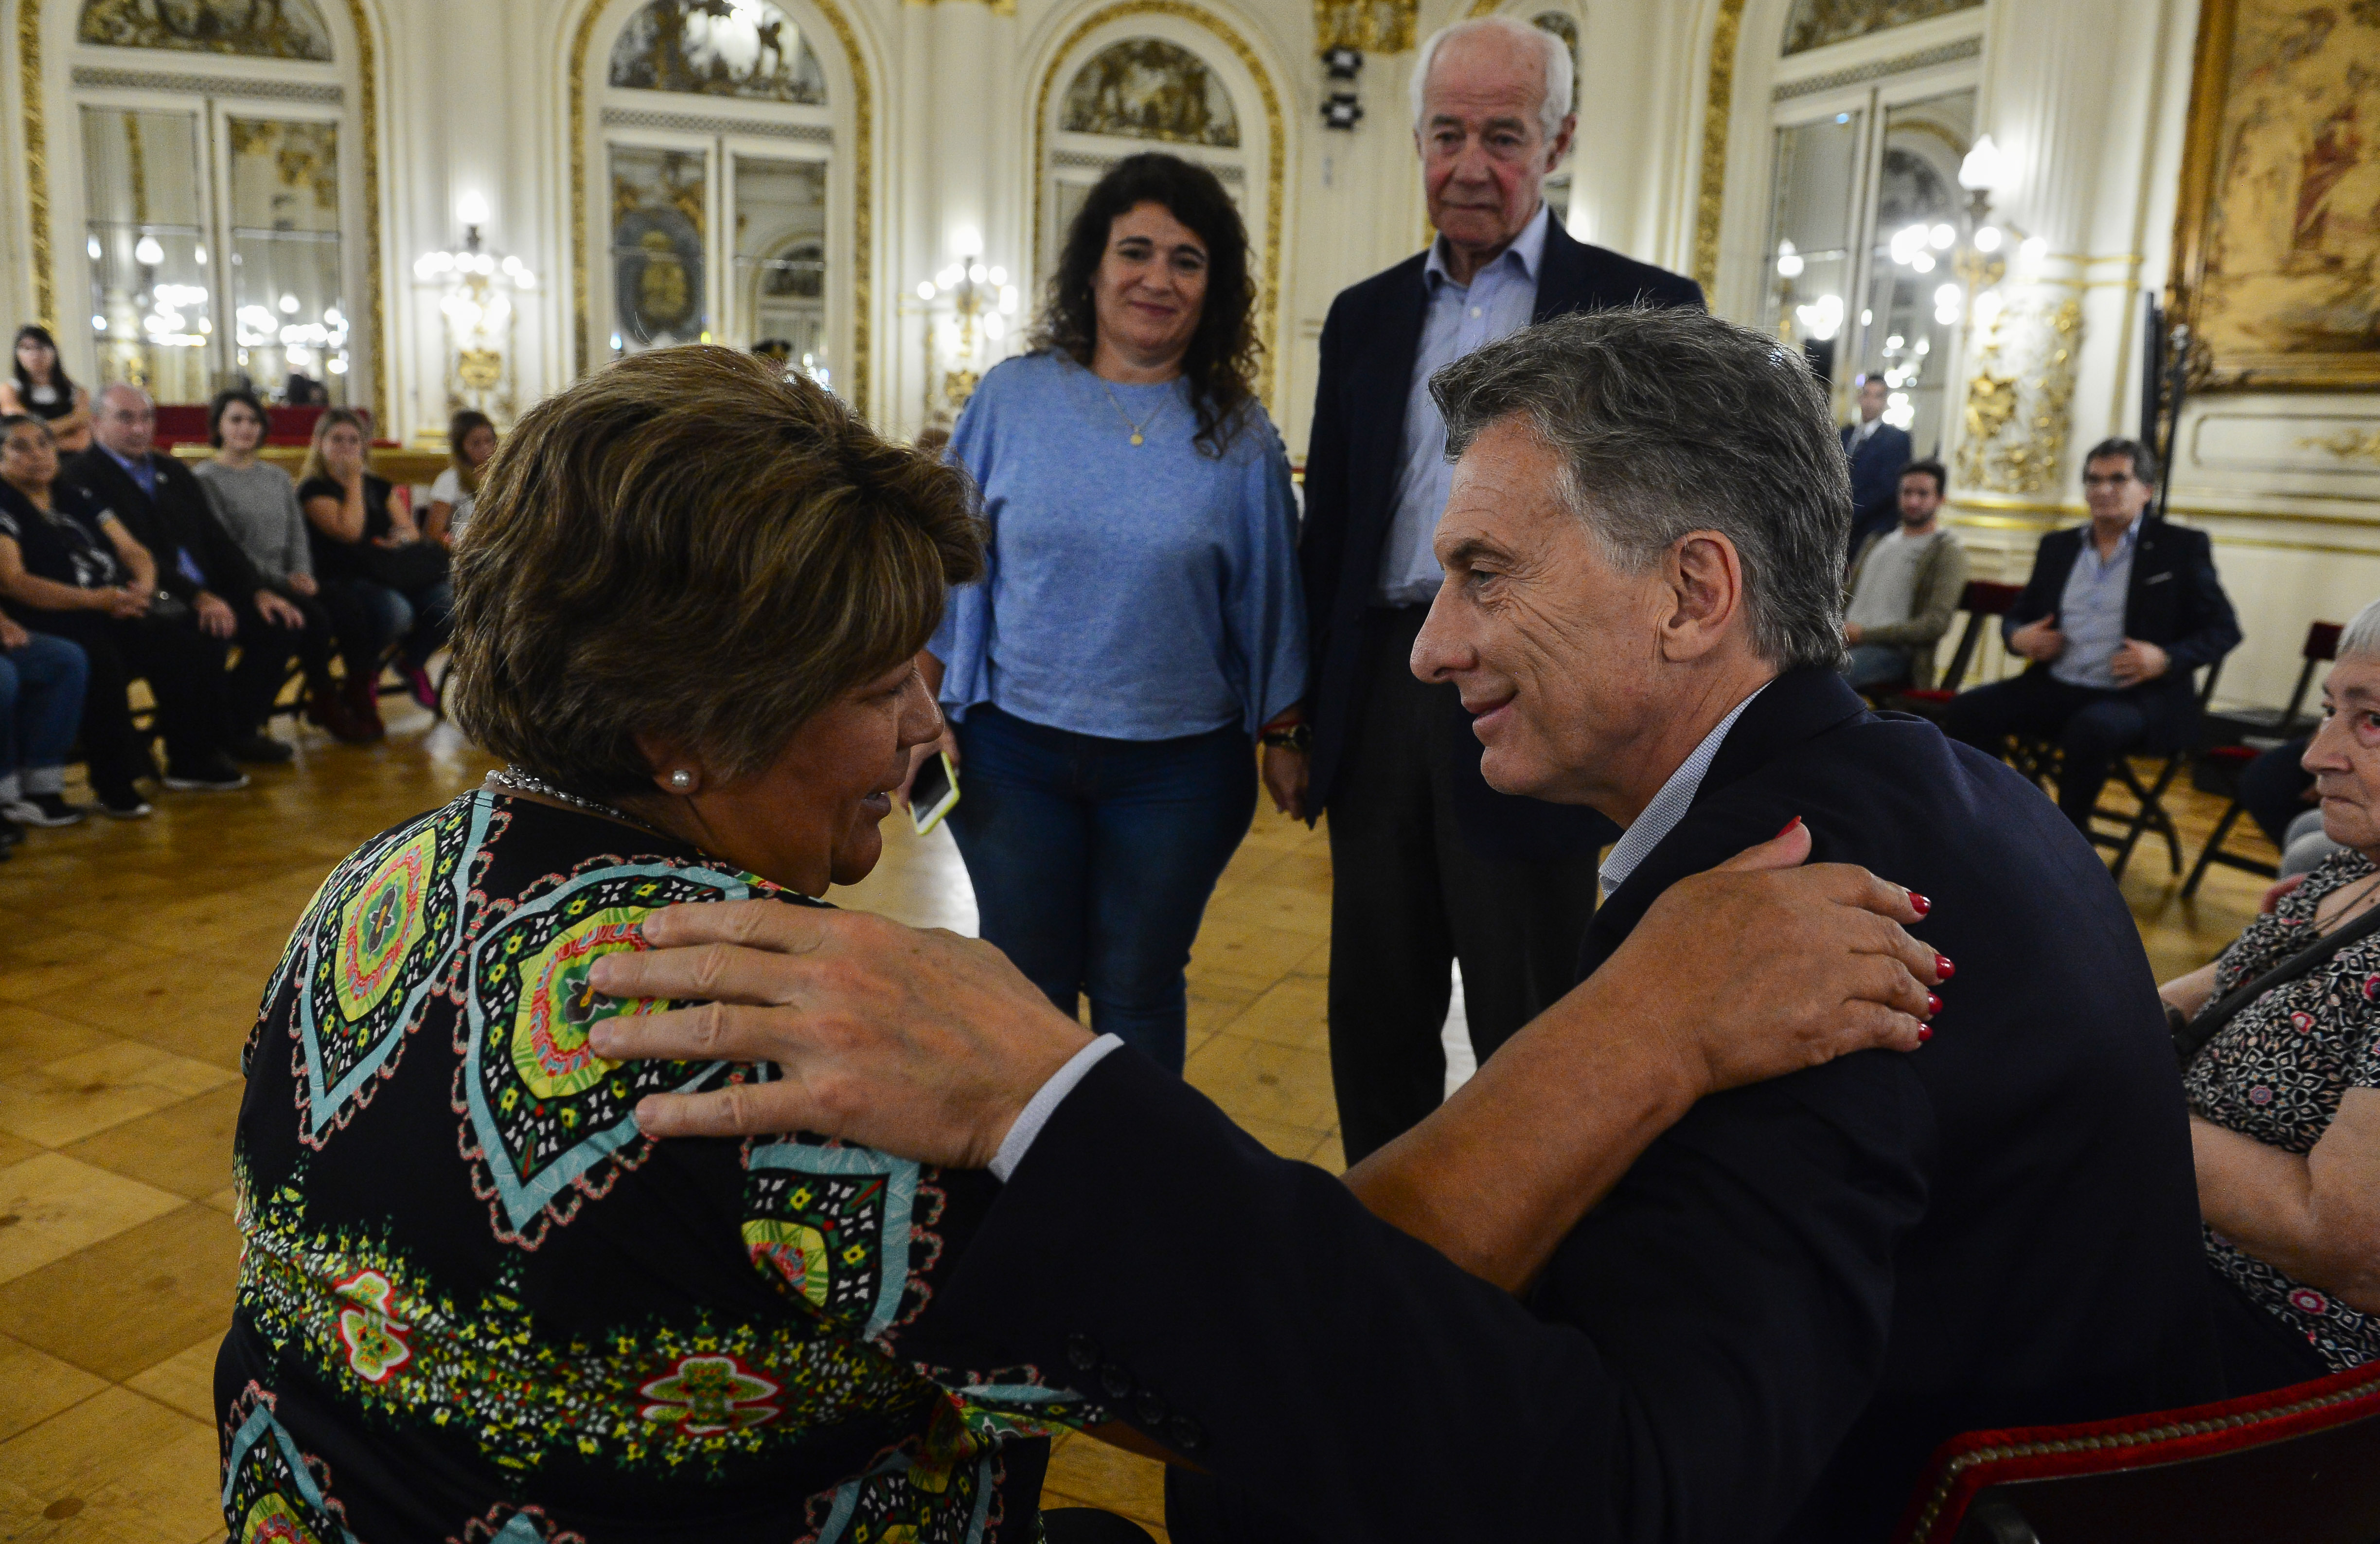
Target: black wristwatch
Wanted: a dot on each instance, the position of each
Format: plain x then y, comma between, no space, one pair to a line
1297,737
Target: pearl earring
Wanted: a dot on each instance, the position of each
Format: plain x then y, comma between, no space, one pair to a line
682,779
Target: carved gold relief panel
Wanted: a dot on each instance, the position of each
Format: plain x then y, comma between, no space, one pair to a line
1816,23
261,29
2020,404
1372,25
749,49
1149,89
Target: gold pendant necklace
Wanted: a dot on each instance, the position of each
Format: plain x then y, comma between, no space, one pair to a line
1137,430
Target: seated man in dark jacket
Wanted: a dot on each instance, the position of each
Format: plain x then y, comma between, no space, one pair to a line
1797,1288
2118,617
202,568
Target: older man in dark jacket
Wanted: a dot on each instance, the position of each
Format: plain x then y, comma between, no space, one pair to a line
200,567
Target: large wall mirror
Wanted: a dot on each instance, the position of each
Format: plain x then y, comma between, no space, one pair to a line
719,192
223,169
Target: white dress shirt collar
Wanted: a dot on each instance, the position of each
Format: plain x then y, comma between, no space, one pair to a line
1669,806
1528,249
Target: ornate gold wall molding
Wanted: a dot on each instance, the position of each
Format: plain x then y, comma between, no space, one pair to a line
37,182
1719,111
37,160
1373,26
2020,397
863,189
1276,146
2347,444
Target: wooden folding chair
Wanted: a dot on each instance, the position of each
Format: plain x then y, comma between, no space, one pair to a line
2237,739
1985,601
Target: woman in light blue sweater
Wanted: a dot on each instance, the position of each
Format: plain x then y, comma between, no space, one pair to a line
1141,625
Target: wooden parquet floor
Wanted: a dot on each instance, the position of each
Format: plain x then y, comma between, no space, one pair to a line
131,956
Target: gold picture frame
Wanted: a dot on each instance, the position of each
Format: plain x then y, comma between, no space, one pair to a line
2277,237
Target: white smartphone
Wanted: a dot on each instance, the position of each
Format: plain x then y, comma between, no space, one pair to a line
934,793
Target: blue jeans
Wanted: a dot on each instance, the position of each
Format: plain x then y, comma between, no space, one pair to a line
418,622
41,704
1876,664
1092,861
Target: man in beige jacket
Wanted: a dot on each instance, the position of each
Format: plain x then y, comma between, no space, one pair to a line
1904,584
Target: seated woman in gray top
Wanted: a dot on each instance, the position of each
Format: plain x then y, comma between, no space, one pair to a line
258,505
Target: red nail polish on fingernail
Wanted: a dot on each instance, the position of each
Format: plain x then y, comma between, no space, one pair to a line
1933,1005
1922,904
1787,826
1943,968
1924,1033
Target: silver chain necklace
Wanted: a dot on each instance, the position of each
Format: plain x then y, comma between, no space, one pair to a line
521,782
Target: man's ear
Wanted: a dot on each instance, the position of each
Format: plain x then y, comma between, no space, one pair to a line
1704,576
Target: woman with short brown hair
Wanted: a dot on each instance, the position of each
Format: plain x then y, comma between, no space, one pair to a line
475,1301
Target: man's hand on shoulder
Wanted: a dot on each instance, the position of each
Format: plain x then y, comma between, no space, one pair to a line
921,1043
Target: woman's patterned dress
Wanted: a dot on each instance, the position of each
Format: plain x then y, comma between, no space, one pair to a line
476,1304
2276,1072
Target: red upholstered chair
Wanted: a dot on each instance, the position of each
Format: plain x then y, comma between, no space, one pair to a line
2297,1465
1985,603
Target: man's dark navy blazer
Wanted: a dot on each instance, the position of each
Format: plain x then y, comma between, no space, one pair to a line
2176,602
1763,1330
1875,479
1353,460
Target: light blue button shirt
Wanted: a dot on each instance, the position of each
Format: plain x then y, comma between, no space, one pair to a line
2091,613
1669,806
1461,318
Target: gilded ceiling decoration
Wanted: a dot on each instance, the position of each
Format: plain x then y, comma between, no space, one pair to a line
739,48
1816,23
260,28
1149,89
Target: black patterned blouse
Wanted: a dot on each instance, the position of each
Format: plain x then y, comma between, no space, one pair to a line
2276,1073
476,1304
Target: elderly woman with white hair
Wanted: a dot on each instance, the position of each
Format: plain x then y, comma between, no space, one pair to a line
2280,1041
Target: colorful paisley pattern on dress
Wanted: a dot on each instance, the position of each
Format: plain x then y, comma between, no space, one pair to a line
2276,1073
741,1321
378,939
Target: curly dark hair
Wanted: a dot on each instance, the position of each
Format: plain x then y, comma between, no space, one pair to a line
1221,361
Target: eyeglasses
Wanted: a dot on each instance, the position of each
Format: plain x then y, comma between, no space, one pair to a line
2109,483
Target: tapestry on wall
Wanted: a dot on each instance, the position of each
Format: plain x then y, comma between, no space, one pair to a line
2278,239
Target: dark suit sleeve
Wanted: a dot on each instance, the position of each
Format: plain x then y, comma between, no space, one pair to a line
1322,544
2209,628
1699,1349
2036,600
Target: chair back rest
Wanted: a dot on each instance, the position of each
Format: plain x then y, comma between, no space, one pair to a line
2321,644
1982,599
2300,1462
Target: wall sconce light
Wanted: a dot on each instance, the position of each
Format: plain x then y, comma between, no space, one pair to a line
980,300
478,307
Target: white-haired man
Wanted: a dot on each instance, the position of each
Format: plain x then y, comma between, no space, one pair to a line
1430,866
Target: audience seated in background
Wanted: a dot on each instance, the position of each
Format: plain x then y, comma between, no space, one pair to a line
1903,588
199,566
470,440
256,504
2285,1088
70,568
41,680
2117,619
371,559
1876,451
38,386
